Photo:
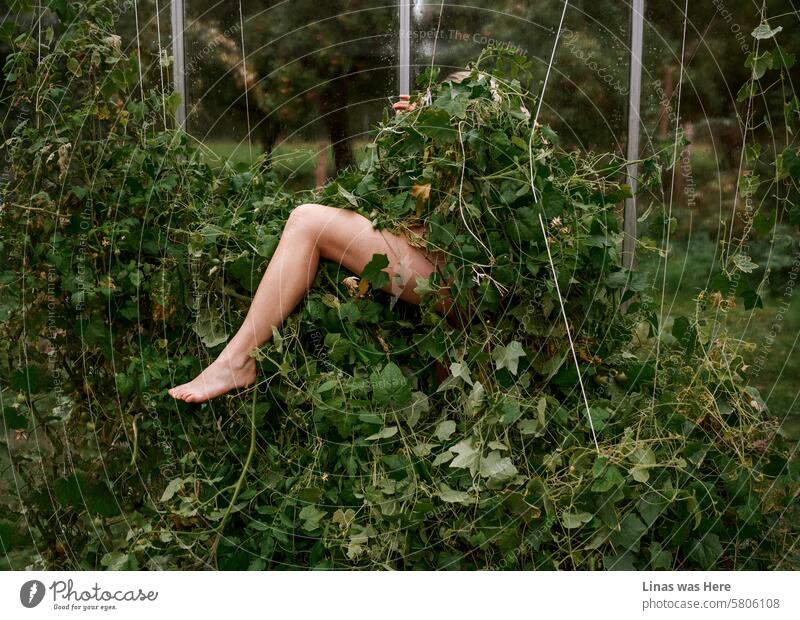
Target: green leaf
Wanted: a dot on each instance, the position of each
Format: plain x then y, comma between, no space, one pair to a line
743,263
172,487
390,386
764,31
445,429
759,64
651,505
115,560
467,456
389,431
508,356
451,496
311,516
7,30
706,551
497,469
347,196
475,399
511,410
419,405
373,271
782,59
573,520
459,371
74,66
612,477
13,419
631,530
172,102
210,329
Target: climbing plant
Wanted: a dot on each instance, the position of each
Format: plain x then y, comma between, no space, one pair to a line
131,261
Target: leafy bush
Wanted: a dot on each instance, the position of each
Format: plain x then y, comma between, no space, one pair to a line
131,261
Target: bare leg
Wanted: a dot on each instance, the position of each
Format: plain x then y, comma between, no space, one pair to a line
312,232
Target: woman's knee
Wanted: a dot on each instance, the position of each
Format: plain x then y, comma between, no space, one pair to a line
305,218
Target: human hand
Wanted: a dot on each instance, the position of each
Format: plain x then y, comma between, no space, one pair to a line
404,105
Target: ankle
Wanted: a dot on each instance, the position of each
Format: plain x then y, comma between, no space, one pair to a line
237,357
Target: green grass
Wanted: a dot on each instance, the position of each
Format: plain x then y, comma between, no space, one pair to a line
777,376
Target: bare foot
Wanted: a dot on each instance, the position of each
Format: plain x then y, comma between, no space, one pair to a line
223,375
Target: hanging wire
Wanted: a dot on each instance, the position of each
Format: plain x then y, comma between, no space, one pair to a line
160,63
748,119
435,39
668,219
544,230
139,54
246,84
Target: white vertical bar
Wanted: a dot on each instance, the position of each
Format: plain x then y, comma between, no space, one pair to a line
178,72
634,123
404,51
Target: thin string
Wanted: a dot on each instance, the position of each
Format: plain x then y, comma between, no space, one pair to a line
544,230
246,85
669,207
748,119
550,65
139,54
435,39
160,64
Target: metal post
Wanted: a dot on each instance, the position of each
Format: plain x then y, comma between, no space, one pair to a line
634,123
404,51
178,72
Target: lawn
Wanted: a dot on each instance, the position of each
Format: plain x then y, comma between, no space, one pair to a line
773,329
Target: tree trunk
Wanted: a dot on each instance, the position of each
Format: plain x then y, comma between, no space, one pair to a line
321,170
335,110
268,137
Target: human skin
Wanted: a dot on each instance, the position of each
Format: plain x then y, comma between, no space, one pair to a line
312,231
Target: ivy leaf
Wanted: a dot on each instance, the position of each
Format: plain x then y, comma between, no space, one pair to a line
347,196
764,31
13,419
451,496
508,356
743,263
373,271
573,520
467,457
706,551
475,399
172,102
759,64
782,59
74,66
459,371
419,405
511,411
610,479
311,516
209,328
385,433
172,488
390,386
497,469
445,429
115,560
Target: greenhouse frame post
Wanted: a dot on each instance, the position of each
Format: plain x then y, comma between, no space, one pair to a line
404,49
634,128
178,68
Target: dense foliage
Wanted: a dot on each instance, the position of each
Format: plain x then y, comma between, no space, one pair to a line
130,262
